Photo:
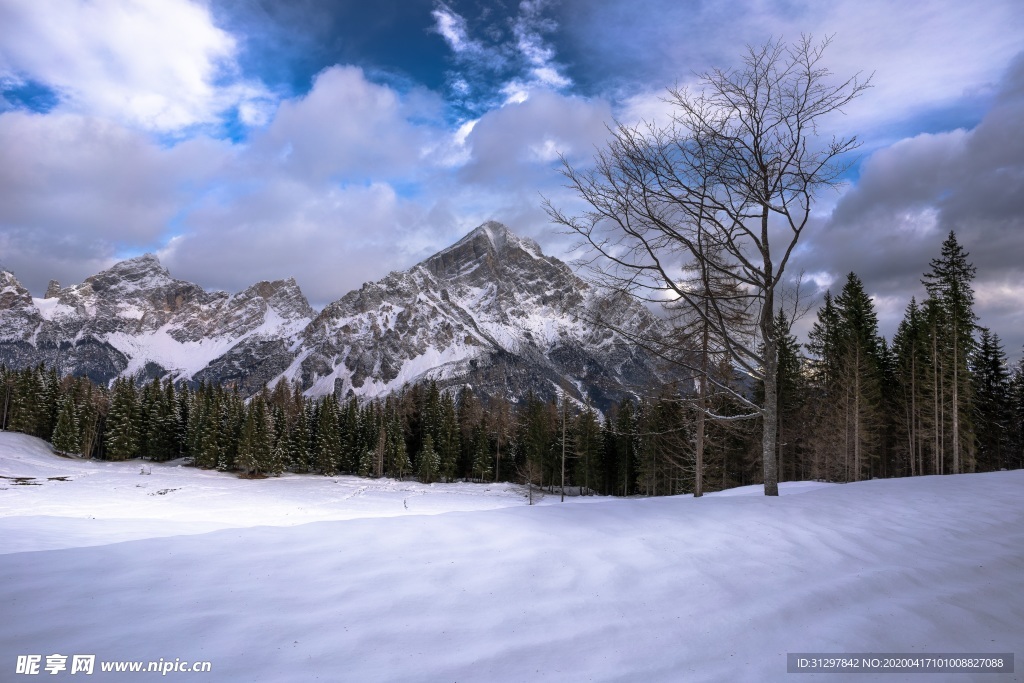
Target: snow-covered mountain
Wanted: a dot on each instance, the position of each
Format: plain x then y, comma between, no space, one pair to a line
135,319
490,311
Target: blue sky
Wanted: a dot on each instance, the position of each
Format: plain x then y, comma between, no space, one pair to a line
335,141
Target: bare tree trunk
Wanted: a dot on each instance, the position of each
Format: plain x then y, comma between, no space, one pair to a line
7,401
771,405
564,415
856,418
913,410
935,401
846,438
942,425
705,342
956,404
781,441
698,477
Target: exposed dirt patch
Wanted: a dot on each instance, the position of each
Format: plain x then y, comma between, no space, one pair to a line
22,481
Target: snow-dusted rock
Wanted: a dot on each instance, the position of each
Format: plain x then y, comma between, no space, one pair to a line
490,311
135,319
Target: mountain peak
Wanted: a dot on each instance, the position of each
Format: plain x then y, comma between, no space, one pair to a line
492,242
145,262
12,293
140,271
501,238
497,233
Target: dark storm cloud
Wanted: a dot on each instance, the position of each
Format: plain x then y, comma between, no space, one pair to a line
73,190
910,195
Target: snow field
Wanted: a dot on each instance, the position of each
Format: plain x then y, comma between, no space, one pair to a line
669,589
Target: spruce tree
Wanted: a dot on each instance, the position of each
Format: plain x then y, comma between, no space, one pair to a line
625,450
589,459
254,447
1016,447
328,441
911,358
860,368
298,443
481,465
790,397
122,435
949,286
448,447
398,462
428,463
992,402
66,438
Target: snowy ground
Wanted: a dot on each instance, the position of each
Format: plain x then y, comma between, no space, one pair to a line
344,579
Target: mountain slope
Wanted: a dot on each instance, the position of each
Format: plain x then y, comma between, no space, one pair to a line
490,311
135,319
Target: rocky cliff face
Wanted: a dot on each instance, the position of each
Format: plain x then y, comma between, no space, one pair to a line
135,319
491,311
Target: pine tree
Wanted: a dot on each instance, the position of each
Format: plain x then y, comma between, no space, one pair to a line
625,450
428,462
254,447
352,445
449,447
328,441
232,422
207,427
949,286
860,366
298,443
589,452
790,397
25,401
910,348
469,415
66,438
500,416
1016,447
122,435
481,453
992,402
49,401
90,411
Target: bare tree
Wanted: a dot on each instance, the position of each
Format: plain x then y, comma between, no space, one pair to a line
727,185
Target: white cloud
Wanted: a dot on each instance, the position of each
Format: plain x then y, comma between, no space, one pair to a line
516,144
925,56
522,63
331,239
346,127
529,27
76,190
65,174
452,28
160,65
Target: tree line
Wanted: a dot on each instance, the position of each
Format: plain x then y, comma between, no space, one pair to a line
421,432
939,398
